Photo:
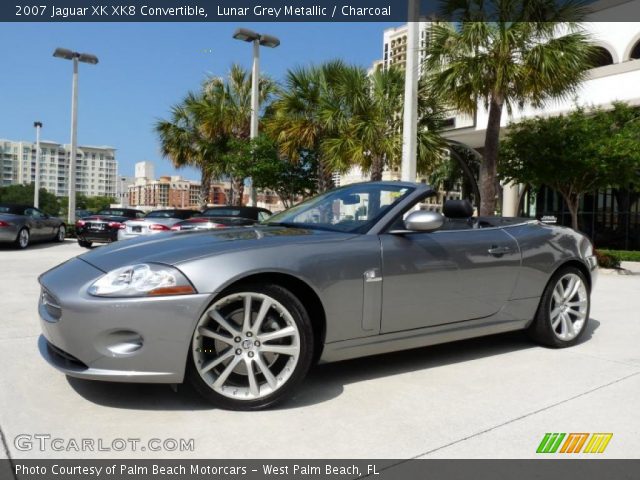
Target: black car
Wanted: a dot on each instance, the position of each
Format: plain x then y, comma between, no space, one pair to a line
103,226
224,217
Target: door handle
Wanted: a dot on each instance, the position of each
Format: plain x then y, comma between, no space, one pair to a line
498,251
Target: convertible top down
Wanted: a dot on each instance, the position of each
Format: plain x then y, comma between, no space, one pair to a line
243,313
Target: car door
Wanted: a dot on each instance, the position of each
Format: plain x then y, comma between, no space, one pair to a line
37,226
50,224
445,276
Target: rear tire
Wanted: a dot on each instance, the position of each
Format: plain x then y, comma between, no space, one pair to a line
60,234
84,243
23,238
563,313
250,362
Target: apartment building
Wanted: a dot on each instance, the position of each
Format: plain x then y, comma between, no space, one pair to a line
96,167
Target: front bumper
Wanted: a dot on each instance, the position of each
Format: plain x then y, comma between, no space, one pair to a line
116,339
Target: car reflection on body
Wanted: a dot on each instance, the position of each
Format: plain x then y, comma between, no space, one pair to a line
243,313
224,217
103,227
20,224
154,222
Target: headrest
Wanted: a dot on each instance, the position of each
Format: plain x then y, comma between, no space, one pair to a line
457,209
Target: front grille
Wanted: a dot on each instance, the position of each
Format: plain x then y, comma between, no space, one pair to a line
64,357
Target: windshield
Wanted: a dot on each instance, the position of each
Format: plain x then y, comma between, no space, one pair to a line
353,209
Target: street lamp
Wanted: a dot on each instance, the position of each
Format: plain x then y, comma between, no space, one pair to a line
36,192
257,39
84,58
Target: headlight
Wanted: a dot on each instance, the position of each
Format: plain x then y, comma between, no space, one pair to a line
141,280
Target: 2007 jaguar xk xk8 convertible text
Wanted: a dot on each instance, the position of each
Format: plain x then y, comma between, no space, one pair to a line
243,313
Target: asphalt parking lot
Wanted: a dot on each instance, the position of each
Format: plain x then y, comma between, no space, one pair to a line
492,397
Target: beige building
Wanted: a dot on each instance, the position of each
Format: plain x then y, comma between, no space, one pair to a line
96,167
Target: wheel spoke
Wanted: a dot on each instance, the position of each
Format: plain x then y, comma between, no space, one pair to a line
555,320
253,383
264,308
216,361
577,313
283,332
226,372
568,325
555,312
572,288
215,315
246,325
579,303
290,350
271,380
207,332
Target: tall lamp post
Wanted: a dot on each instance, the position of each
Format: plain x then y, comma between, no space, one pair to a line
84,58
266,41
410,120
36,190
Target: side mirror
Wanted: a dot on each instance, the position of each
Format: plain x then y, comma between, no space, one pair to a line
423,221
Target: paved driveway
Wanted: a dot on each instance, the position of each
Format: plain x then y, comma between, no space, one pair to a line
491,397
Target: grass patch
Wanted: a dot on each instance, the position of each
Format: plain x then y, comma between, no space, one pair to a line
612,258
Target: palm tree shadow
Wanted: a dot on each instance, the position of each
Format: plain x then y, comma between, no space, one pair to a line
324,382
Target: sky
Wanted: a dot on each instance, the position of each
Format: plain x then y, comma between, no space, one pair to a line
144,69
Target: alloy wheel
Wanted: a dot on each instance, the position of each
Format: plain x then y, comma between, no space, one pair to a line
23,238
569,306
246,346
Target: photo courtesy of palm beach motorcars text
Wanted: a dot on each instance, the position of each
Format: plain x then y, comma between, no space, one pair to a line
309,239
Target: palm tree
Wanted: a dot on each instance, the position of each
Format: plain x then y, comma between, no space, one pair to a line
183,141
295,121
229,113
367,123
524,57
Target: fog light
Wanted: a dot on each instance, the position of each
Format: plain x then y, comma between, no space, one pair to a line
119,343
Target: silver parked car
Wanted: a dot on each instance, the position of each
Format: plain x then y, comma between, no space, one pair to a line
22,224
242,313
154,222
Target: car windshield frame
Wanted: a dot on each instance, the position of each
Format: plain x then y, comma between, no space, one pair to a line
287,218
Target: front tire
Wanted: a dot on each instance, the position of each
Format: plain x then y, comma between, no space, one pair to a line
251,348
23,238
563,313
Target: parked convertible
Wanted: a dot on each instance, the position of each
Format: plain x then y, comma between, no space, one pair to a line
242,313
224,217
154,222
103,227
20,224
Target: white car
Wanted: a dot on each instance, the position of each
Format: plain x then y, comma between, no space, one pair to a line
154,222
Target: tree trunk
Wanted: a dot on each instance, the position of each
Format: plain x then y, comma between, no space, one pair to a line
572,201
238,191
488,166
325,177
377,167
205,187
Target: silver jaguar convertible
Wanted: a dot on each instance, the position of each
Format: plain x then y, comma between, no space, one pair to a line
243,313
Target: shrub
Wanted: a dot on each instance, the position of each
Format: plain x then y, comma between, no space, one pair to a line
623,255
606,260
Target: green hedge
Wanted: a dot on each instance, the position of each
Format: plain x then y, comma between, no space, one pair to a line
612,258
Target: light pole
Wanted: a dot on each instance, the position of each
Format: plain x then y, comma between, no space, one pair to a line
84,58
266,41
36,190
410,121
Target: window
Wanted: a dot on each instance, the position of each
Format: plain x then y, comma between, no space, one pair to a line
635,51
602,57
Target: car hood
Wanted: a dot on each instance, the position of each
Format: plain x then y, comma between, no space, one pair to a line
174,248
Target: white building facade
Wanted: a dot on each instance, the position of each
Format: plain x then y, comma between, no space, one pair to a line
96,167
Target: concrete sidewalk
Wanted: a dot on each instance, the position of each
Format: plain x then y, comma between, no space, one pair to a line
492,397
